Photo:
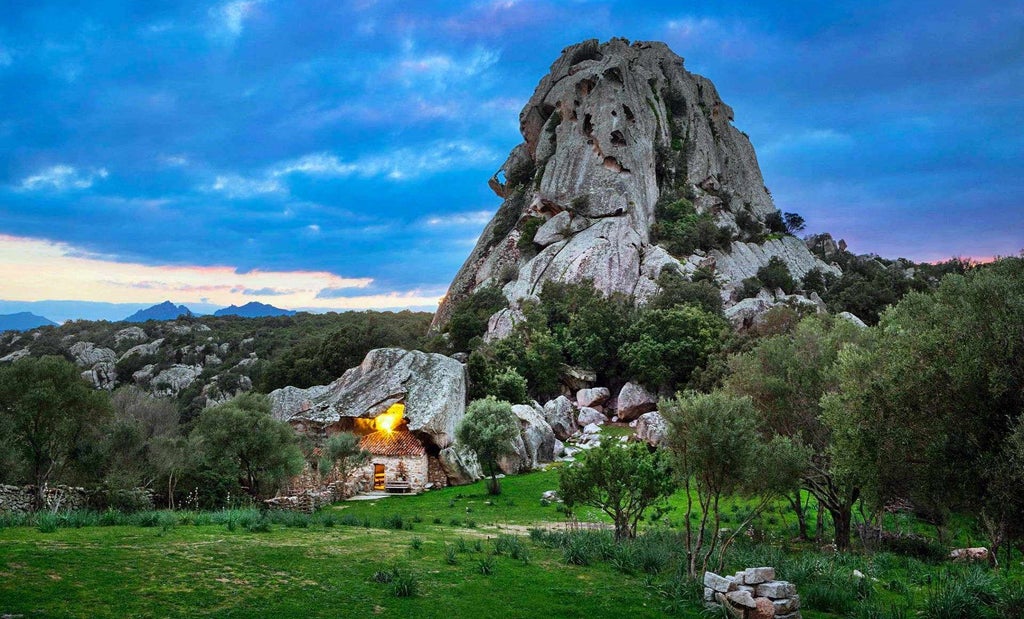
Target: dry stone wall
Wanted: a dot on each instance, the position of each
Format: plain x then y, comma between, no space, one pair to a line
19,499
752,593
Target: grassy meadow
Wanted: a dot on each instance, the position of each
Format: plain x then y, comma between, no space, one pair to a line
448,553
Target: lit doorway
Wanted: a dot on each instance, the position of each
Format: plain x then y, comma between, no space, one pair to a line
378,476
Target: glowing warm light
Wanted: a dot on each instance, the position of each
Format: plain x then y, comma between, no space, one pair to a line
389,419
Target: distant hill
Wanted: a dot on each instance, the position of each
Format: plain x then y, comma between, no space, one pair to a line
253,309
162,311
22,321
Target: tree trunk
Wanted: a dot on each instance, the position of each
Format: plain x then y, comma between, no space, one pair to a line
801,514
842,519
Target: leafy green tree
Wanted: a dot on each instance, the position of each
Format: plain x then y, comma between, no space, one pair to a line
794,223
786,376
241,440
926,410
139,419
488,428
49,411
676,290
718,453
469,318
342,452
776,274
663,347
510,386
775,223
623,481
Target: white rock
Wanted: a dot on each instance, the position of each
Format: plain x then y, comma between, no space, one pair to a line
592,397
634,401
87,354
590,416
652,428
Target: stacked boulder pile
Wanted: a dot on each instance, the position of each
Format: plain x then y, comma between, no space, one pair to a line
752,593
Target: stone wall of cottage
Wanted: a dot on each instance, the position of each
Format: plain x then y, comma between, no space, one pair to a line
416,469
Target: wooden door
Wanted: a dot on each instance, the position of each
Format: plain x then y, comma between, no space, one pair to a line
378,476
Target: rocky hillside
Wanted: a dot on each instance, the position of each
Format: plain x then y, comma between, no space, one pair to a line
203,361
630,165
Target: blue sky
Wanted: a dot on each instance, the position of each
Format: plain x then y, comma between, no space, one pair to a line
335,154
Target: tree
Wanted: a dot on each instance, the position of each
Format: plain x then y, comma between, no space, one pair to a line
925,412
469,317
663,347
488,428
623,481
676,290
718,453
786,376
794,223
48,409
342,452
776,274
240,439
139,420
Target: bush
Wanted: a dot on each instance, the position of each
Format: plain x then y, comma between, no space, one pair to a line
486,565
404,584
469,316
450,555
776,274
528,231
508,385
775,223
682,231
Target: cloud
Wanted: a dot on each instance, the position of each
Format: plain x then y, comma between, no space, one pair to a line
400,164
228,19
37,269
438,71
473,218
61,178
235,186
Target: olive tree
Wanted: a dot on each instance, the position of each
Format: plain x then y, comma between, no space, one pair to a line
718,453
488,429
240,439
47,409
622,481
342,452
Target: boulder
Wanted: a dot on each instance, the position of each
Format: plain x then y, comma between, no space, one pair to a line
460,464
144,350
87,354
592,397
432,387
634,401
651,428
518,460
14,356
970,554
130,334
538,438
103,375
589,416
175,379
288,402
741,598
847,316
561,416
144,374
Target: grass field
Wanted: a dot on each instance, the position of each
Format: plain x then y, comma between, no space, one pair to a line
457,551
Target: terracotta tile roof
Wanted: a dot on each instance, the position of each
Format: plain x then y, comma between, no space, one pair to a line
398,443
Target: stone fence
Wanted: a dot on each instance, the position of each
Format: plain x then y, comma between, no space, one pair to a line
752,594
20,499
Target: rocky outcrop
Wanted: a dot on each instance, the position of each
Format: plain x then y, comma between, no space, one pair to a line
131,334
144,350
460,464
561,416
432,387
538,437
651,428
175,379
613,129
287,402
87,354
102,376
634,401
21,353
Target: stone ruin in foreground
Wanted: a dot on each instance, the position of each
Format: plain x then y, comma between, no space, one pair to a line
753,594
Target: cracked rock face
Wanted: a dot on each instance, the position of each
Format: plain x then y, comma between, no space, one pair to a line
611,129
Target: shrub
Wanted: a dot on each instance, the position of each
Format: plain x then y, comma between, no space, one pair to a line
775,223
450,556
486,565
416,543
47,522
393,521
404,584
776,274
528,232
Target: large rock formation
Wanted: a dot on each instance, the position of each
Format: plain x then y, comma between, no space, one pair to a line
432,387
610,131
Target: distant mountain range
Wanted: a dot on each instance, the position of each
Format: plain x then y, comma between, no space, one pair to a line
22,321
253,309
161,311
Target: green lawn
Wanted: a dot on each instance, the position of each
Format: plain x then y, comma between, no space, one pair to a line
221,564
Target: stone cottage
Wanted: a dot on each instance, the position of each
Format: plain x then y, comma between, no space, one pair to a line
397,463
